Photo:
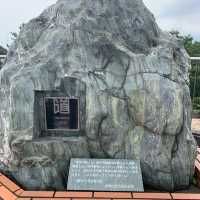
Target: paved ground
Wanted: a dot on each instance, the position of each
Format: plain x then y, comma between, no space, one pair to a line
192,189
196,124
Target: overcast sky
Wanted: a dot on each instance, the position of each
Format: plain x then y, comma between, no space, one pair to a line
182,15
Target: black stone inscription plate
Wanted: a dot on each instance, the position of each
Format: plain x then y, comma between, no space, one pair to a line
105,175
62,113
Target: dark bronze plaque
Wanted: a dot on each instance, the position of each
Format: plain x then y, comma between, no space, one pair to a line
62,113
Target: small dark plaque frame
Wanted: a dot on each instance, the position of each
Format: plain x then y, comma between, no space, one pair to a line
68,119
70,88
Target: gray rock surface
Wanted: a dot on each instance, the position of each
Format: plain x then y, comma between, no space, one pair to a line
137,102
43,163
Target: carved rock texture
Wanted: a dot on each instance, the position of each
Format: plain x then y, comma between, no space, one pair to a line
137,102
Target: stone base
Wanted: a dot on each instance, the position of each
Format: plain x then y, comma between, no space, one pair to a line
44,163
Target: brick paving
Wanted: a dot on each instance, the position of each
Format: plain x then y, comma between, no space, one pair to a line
196,124
11,191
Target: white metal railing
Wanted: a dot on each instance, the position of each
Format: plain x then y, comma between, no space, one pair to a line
195,83
195,58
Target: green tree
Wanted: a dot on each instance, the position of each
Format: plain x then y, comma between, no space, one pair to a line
193,49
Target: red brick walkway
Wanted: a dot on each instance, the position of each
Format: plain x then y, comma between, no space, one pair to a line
196,124
11,191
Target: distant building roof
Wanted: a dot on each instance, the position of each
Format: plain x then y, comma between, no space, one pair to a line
3,51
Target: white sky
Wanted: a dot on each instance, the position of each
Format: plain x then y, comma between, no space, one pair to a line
182,15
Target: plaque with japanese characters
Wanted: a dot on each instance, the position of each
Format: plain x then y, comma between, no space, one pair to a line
62,113
105,175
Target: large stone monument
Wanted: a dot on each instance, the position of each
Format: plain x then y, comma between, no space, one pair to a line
137,100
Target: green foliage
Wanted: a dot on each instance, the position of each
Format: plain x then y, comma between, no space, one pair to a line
192,46
193,49
195,80
194,181
196,103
